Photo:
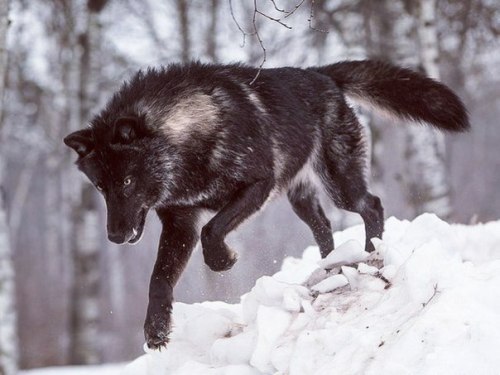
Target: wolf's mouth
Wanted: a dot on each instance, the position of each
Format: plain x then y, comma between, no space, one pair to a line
139,230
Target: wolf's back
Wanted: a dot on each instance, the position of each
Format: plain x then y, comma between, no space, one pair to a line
399,91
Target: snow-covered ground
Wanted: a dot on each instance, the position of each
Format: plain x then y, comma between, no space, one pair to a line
77,370
427,302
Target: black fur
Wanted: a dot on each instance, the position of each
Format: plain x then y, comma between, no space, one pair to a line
188,138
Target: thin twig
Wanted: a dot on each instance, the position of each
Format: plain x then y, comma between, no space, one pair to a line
276,7
256,33
432,297
278,20
296,6
243,32
388,284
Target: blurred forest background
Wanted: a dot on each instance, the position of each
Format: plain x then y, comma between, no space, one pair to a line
67,295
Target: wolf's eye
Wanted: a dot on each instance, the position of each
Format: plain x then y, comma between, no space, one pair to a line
127,181
99,187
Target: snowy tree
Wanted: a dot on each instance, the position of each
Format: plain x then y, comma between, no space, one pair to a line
8,336
429,189
211,42
183,19
86,254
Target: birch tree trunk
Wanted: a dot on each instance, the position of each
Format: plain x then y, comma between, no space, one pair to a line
425,148
86,256
379,40
212,31
182,10
8,336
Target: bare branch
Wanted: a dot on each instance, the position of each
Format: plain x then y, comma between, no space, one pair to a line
243,32
388,284
295,8
256,33
424,304
276,7
278,20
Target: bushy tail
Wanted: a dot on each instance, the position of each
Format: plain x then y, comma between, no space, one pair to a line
399,91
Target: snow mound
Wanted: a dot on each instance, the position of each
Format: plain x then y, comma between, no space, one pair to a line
427,301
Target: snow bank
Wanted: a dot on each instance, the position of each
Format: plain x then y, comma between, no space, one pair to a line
426,302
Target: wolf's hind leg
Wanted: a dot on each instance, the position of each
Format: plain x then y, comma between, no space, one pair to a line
351,194
216,253
343,171
372,212
306,205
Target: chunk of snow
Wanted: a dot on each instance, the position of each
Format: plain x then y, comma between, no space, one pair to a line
352,276
296,271
271,324
233,350
348,253
330,284
311,254
366,269
269,291
291,300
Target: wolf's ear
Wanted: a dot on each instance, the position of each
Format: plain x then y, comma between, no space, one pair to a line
81,141
126,129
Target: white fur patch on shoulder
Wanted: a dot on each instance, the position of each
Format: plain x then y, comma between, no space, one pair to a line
253,97
195,113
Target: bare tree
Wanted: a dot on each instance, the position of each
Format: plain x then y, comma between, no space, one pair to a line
183,14
86,255
212,31
8,336
429,189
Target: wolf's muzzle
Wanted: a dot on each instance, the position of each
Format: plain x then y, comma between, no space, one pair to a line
120,238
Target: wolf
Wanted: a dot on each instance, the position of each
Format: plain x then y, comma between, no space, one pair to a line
187,138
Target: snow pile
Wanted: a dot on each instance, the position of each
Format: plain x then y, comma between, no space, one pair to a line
426,302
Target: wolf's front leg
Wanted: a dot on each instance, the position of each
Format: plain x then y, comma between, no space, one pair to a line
248,201
177,241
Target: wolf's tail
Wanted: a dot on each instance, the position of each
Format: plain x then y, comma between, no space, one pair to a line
399,91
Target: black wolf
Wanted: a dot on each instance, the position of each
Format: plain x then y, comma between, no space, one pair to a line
187,138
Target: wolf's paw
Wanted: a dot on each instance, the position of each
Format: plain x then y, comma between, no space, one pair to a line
157,329
220,260
369,247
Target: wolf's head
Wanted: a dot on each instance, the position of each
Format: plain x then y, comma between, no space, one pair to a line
123,163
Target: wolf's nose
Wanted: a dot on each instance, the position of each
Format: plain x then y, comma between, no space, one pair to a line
116,237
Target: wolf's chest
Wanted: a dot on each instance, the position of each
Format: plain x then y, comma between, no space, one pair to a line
212,196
